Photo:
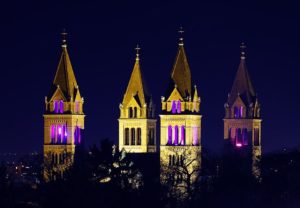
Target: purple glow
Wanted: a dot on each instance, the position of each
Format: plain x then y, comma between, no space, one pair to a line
238,145
195,136
182,142
77,135
173,107
61,106
169,135
241,112
245,136
56,106
52,133
176,136
178,106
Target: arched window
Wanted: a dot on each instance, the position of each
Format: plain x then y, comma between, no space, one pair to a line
139,132
126,136
77,135
135,112
245,136
130,113
236,112
178,106
195,136
56,106
256,137
59,134
182,142
176,135
53,133
173,103
238,137
61,106
241,112
132,136
169,135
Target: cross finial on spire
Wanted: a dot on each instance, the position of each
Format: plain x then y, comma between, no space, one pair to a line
64,37
180,31
137,48
243,47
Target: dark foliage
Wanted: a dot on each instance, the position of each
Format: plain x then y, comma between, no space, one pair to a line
226,181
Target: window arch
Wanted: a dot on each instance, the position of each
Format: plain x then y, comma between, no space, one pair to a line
238,137
178,106
130,112
176,135
132,136
173,103
135,112
126,136
169,135
182,142
245,136
139,134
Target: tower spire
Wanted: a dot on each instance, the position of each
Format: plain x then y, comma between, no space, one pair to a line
180,32
243,47
137,49
64,37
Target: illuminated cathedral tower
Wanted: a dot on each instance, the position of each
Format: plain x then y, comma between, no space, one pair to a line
242,122
180,125
63,119
137,123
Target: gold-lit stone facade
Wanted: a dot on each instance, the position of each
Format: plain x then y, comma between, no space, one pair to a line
242,122
63,120
180,129
137,123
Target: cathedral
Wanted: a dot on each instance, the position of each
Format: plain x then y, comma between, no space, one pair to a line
63,119
242,122
179,143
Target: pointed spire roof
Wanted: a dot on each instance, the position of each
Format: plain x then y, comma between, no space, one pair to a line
136,86
64,77
242,85
181,74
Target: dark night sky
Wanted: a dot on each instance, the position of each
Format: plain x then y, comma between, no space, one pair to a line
101,42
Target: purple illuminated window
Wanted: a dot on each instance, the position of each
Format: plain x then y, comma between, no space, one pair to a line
61,106
245,136
178,106
241,112
176,135
56,106
173,106
169,135
65,134
236,112
182,142
53,133
195,136
239,139
77,135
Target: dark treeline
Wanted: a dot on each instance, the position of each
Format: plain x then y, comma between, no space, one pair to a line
105,177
